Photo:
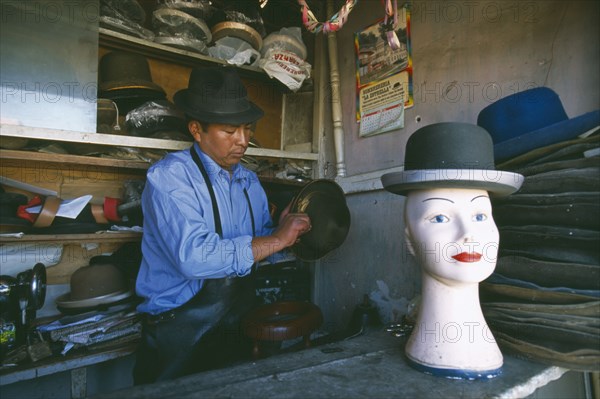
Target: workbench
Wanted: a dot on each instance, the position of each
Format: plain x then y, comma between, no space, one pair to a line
371,365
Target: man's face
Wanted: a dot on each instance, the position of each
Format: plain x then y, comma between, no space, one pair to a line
452,233
225,144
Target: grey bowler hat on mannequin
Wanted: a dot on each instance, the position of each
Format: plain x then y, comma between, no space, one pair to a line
451,155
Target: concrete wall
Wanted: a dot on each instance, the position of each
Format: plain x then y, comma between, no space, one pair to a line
465,56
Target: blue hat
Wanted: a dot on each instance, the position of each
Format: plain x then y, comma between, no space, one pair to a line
531,119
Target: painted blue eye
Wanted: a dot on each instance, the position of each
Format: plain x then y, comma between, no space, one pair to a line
439,219
480,217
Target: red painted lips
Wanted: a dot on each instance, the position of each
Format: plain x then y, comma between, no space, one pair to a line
468,257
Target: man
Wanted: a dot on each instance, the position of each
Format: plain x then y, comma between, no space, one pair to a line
206,223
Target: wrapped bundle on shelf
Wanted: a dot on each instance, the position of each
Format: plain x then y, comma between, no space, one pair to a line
283,57
177,28
124,16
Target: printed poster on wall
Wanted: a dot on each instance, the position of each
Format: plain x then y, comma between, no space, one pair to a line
383,75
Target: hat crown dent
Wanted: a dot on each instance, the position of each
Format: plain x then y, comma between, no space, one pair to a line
209,87
449,145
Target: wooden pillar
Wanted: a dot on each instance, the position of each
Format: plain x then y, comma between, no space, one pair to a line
336,103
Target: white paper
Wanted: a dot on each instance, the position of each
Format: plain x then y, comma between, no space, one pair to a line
68,208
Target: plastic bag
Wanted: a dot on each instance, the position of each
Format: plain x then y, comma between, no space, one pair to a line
124,17
288,39
286,67
174,23
153,116
202,9
235,51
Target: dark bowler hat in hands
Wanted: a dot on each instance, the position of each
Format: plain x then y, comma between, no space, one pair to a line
325,203
217,95
451,155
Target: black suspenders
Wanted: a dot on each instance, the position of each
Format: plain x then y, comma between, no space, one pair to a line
213,198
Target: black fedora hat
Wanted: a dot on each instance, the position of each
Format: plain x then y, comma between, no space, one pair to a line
451,155
217,95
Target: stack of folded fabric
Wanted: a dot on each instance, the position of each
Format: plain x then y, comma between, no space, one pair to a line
543,301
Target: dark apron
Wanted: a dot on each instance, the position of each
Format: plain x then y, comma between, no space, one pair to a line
202,333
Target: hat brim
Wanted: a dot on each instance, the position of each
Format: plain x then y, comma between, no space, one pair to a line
117,88
252,114
497,183
548,135
65,301
238,30
324,202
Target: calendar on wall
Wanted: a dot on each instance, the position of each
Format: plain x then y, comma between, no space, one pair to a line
383,74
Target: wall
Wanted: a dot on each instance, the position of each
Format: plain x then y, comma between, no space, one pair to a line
465,56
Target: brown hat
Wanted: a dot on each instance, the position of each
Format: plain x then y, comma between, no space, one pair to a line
95,285
120,70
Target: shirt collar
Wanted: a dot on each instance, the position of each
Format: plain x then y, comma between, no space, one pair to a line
213,169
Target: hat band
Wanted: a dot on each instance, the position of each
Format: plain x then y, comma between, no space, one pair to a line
216,106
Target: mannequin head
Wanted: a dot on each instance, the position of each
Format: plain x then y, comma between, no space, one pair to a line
452,234
449,175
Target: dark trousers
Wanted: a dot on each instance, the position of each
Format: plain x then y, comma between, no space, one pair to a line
202,334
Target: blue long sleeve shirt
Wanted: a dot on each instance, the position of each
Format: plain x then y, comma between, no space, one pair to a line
180,246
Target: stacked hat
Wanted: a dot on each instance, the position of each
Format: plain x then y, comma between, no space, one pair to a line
543,301
176,27
125,78
124,16
240,20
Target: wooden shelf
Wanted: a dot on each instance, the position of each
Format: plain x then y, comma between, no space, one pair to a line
40,133
72,159
69,362
116,236
120,41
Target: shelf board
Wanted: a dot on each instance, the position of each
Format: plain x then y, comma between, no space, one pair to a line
117,236
148,48
72,159
42,133
55,364
115,140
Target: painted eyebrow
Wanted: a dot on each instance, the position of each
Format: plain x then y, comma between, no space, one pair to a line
437,198
479,196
